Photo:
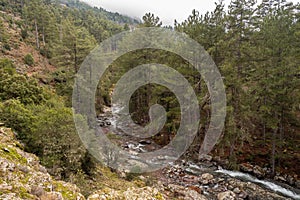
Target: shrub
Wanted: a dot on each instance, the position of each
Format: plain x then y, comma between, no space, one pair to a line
45,52
7,66
20,87
57,139
24,33
16,116
28,59
6,46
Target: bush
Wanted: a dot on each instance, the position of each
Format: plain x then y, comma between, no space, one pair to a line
45,52
57,139
24,33
7,66
6,46
20,87
28,59
16,116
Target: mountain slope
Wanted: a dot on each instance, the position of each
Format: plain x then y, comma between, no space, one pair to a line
113,16
22,177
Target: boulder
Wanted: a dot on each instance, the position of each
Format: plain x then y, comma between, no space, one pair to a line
205,157
246,167
237,190
258,171
207,176
52,196
297,183
228,195
186,193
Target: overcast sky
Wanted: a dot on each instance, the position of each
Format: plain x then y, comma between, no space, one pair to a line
166,10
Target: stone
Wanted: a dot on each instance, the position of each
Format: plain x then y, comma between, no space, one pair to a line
297,183
43,80
52,196
205,157
243,195
219,180
246,167
192,195
228,195
236,190
24,169
290,180
258,171
207,176
37,191
5,186
197,189
145,142
186,193
145,193
280,178
42,169
9,196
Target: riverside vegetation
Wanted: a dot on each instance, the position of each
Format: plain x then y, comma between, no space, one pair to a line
43,43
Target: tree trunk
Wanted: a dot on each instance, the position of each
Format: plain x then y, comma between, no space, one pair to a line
36,34
273,150
43,35
75,57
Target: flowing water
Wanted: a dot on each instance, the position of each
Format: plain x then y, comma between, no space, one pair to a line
266,184
199,169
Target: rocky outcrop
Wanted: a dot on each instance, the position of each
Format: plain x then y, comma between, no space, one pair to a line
186,193
22,177
145,193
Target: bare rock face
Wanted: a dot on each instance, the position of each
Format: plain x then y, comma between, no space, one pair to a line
22,177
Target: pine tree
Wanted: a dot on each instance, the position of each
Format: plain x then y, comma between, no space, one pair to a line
275,75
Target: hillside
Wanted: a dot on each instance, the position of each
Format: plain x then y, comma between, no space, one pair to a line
22,176
113,16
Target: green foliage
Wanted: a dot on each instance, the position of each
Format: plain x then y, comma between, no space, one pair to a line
24,33
7,66
15,115
28,59
56,140
3,35
149,20
22,88
48,131
64,84
6,46
257,52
